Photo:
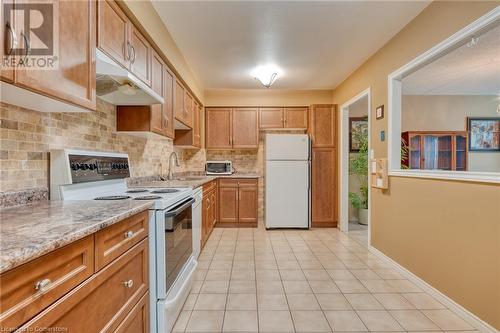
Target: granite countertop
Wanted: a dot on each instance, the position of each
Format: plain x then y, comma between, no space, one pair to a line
30,231
191,181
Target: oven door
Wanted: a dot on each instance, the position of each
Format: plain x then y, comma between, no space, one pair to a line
176,243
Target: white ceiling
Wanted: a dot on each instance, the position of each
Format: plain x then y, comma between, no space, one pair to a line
317,44
466,70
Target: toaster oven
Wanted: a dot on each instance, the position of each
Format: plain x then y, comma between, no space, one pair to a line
219,168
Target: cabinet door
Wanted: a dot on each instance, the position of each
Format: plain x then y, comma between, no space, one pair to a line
7,42
179,111
188,109
140,55
218,128
168,106
157,82
460,152
112,31
324,187
270,118
245,128
247,204
213,213
228,204
295,117
323,125
196,126
74,80
205,217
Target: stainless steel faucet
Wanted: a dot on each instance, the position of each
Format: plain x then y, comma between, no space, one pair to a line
170,175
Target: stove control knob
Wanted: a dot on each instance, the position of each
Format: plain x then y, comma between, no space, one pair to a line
74,166
84,166
126,166
92,166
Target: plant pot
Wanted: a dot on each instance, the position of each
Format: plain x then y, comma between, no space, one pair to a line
363,216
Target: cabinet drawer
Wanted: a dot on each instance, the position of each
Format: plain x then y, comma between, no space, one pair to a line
102,302
237,182
23,294
115,240
137,321
210,186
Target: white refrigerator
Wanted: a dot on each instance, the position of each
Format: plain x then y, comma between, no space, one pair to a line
288,181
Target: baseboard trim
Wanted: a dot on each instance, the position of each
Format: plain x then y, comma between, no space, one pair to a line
465,314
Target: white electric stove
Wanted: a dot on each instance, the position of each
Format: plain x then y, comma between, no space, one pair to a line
88,175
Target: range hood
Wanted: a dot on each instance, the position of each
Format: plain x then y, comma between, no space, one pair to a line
118,86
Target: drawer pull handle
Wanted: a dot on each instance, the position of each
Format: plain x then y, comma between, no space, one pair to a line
128,284
42,284
129,234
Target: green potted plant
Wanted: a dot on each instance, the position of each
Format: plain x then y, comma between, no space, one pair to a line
359,168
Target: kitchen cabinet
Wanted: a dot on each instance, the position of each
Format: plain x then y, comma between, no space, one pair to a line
73,81
324,187
190,138
209,210
157,118
218,128
183,105
323,125
295,117
245,123
228,128
7,33
283,118
122,41
140,57
62,288
436,150
238,202
270,118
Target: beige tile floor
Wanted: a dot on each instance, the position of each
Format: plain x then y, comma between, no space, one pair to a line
321,280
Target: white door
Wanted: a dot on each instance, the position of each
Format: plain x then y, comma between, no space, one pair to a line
287,194
287,147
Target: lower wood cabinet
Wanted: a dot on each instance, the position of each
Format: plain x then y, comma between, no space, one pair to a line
324,187
209,210
64,291
238,202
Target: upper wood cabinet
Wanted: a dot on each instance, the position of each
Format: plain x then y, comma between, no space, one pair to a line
156,118
122,41
188,109
112,27
231,128
74,79
245,128
323,125
270,118
190,138
295,117
289,117
140,57
218,128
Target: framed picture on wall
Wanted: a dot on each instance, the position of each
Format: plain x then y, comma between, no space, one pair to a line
484,134
356,124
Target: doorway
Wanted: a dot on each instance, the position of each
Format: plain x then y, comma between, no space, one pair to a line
354,173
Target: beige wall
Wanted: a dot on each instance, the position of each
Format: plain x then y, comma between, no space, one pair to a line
449,113
266,97
152,23
446,232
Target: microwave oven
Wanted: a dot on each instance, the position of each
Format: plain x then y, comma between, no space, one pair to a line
219,168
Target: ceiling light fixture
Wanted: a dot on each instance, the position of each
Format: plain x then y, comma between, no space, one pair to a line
267,75
473,41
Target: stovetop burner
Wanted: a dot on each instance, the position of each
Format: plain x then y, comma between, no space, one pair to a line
137,190
148,197
166,190
113,197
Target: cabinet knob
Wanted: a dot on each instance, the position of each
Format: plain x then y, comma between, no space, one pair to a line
129,234
42,284
129,283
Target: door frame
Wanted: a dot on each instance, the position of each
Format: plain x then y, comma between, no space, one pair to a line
344,161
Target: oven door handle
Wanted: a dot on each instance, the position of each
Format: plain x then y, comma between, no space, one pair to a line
178,210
